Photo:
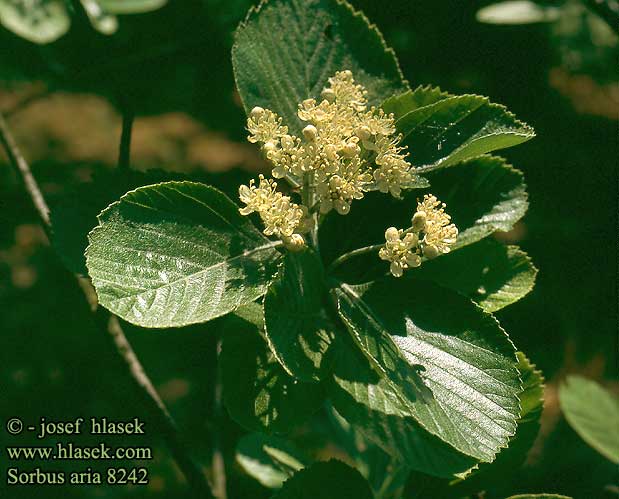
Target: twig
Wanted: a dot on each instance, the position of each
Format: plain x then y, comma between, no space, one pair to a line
218,463
347,256
21,165
124,153
109,324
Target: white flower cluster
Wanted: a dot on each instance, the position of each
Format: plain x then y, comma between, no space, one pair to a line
346,148
431,234
281,217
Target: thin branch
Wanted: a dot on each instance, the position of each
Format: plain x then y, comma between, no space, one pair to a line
218,463
347,256
109,324
124,153
21,165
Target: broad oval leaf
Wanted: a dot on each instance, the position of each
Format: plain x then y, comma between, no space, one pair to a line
257,392
326,480
371,405
449,364
297,327
486,476
488,272
287,49
593,413
268,459
43,22
454,128
177,253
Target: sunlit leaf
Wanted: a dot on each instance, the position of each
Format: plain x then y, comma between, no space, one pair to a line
268,459
177,253
39,21
454,373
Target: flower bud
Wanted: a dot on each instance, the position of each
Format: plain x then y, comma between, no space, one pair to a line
287,142
328,94
351,149
413,260
335,182
419,221
310,132
363,132
295,242
430,251
341,206
392,234
256,112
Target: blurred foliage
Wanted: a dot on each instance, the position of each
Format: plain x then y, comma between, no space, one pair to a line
558,76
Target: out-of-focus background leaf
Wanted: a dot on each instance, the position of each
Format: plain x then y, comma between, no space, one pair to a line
171,66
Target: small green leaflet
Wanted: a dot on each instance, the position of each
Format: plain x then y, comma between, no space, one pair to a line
268,459
593,413
42,21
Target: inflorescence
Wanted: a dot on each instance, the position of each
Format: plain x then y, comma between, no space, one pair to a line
431,234
346,149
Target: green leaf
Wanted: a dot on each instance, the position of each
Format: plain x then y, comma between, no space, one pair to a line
326,480
593,413
451,129
287,49
517,12
371,405
408,101
74,216
131,6
483,195
258,393
42,21
177,253
539,496
101,20
297,327
454,373
268,459
508,460
488,272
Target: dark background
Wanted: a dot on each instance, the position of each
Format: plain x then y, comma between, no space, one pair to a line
172,67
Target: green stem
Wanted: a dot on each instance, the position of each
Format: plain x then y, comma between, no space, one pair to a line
347,256
307,198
